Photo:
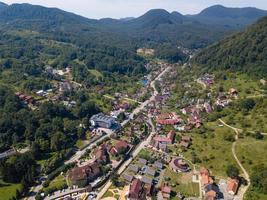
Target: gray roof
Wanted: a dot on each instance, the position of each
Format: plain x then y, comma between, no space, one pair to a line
146,180
142,161
128,177
134,168
158,165
150,171
102,117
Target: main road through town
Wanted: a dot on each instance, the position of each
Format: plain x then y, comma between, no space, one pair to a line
142,144
108,132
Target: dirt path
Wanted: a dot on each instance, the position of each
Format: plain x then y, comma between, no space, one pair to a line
243,190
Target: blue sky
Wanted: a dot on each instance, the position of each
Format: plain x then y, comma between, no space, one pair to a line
133,8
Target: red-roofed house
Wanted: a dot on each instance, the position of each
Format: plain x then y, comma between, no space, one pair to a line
168,119
120,147
166,192
136,190
232,186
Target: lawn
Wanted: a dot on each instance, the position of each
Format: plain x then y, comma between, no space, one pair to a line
251,152
243,83
96,73
80,144
58,182
179,184
7,191
212,149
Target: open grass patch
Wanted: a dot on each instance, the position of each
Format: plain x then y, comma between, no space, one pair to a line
8,190
178,184
211,149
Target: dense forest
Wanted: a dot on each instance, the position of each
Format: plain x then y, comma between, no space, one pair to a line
52,127
244,52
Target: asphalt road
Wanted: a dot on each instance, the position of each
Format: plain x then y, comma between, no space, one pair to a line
108,132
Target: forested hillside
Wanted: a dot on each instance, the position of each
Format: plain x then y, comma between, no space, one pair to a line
244,52
229,17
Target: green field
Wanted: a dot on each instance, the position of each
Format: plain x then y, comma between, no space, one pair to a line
186,187
96,73
212,149
7,191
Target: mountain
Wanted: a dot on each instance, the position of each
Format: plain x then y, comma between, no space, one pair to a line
244,52
2,6
230,17
61,37
158,26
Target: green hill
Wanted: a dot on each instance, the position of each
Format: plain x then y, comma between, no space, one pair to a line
244,52
230,17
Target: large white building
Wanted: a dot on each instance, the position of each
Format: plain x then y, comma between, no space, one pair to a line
103,121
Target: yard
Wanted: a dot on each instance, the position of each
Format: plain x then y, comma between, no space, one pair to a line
59,182
181,183
7,191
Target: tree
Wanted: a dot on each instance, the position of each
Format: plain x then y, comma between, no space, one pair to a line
232,171
259,136
115,179
58,141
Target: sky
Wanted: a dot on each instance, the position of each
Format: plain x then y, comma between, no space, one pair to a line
97,9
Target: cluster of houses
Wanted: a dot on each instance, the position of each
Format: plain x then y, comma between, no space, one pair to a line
161,142
27,100
212,191
142,178
207,80
84,175
119,107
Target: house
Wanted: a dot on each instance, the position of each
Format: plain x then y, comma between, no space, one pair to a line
205,177
164,140
190,110
166,192
208,108
102,121
142,161
101,155
195,120
207,80
263,82
179,165
149,190
65,87
185,142
150,171
120,147
232,186
134,168
127,177
136,190
25,99
211,192
158,165
86,173
233,92
147,180
168,119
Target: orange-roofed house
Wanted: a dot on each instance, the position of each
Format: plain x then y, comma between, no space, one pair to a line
232,186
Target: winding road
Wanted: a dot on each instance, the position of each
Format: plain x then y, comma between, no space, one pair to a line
244,189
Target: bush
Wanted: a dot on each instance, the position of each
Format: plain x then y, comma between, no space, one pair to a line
232,171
